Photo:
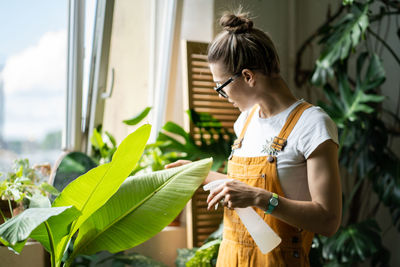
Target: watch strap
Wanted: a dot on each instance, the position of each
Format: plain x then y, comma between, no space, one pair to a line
270,206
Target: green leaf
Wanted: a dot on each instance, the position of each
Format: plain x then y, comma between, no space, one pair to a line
138,118
60,227
142,207
205,254
39,201
346,93
96,139
73,165
347,2
375,75
184,255
339,41
16,248
111,138
49,189
90,191
176,129
19,228
354,243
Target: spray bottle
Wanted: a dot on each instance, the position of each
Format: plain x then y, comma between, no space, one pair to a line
265,238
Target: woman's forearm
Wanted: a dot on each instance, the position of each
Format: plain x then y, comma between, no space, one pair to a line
308,215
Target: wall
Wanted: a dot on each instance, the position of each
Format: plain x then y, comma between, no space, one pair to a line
196,25
129,56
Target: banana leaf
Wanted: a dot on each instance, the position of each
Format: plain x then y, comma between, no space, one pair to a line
141,208
92,190
19,228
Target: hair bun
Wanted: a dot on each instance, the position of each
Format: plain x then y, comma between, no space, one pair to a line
236,23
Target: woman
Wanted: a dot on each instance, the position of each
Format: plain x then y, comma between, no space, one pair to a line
284,163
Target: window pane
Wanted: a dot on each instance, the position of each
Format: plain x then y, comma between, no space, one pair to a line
33,55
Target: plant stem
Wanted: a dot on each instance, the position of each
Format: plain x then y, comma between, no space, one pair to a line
342,139
10,207
51,239
355,205
385,44
353,192
2,215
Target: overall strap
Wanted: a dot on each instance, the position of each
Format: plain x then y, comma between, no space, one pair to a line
238,142
279,142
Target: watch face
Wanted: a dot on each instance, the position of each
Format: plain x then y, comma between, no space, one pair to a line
273,202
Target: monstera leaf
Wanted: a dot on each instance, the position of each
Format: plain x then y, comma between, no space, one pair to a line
339,40
386,181
142,207
354,243
346,105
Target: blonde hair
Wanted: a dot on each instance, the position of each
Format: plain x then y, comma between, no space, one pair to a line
241,46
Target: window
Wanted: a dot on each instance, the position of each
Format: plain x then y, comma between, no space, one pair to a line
33,55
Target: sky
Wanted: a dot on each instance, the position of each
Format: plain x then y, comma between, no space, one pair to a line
23,22
33,53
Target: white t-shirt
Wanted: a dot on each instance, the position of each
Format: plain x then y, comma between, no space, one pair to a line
312,129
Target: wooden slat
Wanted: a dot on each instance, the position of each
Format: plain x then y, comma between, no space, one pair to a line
202,76
200,64
201,97
213,110
200,70
199,56
219,104
207,84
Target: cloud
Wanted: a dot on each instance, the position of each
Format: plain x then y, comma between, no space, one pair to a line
34,87
38,68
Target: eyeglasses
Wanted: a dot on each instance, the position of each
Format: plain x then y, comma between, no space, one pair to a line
219,87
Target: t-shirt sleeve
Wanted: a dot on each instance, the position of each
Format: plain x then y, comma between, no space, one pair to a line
318,128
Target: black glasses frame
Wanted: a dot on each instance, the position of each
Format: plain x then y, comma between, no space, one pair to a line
219,88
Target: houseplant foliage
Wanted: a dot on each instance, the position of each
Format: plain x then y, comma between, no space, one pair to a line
371,170
215,140
25,186
108,211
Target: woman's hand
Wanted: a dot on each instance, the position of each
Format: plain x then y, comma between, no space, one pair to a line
177,163
235,194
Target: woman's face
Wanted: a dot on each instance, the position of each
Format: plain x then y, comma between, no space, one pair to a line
239,92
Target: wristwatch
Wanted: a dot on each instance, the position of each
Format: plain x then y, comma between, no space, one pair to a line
273,203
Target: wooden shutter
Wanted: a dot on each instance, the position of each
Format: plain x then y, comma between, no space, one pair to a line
200,96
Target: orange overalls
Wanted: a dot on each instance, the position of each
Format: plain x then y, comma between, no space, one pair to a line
238,247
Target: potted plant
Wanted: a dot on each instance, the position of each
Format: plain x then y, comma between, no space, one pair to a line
23,187
354,100
107,210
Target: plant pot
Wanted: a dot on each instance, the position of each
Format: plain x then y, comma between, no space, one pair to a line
176,221
33,255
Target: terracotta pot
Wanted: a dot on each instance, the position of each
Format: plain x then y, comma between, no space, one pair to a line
176,221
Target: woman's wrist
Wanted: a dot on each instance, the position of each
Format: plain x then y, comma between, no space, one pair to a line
262,199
